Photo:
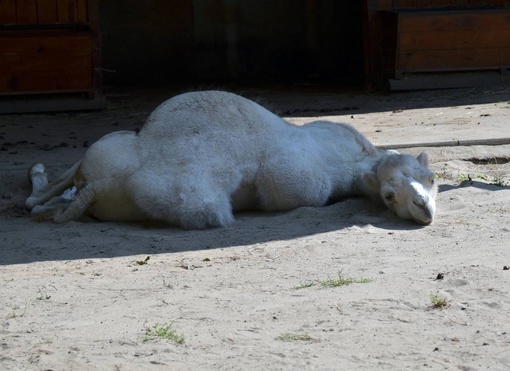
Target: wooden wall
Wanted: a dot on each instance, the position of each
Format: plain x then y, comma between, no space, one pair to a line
415,36
31,12
421,4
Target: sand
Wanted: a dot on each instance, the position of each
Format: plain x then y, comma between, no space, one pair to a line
265,294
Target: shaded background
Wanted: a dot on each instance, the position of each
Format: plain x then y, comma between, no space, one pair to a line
161,41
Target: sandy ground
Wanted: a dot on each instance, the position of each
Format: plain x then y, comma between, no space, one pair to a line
255,296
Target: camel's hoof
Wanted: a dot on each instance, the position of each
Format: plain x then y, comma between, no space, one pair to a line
35,169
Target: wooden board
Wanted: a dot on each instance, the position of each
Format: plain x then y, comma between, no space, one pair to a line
453,59
72,11
448,40
51,61
458,20
7,12
417,4
46,11
26,12
458,39
382,34
43,12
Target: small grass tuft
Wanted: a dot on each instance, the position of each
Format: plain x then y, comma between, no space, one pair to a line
493,180
143,262
43,293
164,331
439,302
342,281
16,314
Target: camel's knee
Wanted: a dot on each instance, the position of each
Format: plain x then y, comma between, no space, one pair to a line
210,216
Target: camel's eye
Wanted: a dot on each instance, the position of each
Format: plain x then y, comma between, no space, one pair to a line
390,196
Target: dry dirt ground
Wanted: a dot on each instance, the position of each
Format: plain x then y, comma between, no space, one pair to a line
265,293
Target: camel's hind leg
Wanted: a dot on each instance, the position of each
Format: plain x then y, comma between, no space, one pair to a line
42,191
187,201
78,206
45,201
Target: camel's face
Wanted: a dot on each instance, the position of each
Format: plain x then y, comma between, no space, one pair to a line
408,188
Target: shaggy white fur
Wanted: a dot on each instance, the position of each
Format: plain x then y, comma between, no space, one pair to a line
203,155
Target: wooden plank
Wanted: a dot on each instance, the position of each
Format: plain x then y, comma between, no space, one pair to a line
62,11
46,11
71,71
43,42
417,4
26,12
67,11
437,60
458,39
82,11
7,12
454,20
48,61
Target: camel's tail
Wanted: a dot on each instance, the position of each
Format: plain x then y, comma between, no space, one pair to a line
45,191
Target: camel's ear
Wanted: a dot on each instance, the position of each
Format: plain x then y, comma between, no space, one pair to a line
371,181
423,159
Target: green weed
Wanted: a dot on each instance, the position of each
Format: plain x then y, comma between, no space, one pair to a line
439,302
332,282
342,281
164,331
143,262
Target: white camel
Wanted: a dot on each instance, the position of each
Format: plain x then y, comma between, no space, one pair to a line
202,156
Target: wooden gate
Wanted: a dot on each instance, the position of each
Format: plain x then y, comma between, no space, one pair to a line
49,47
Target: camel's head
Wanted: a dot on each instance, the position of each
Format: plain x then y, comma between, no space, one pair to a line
406,186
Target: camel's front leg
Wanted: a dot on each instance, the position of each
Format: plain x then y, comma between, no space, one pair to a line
38,177
59,203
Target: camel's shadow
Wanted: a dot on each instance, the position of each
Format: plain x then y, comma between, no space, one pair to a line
89,240
476,184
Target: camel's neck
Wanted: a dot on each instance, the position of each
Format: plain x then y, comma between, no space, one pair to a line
370,163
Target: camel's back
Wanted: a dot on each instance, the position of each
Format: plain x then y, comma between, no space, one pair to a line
210,111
